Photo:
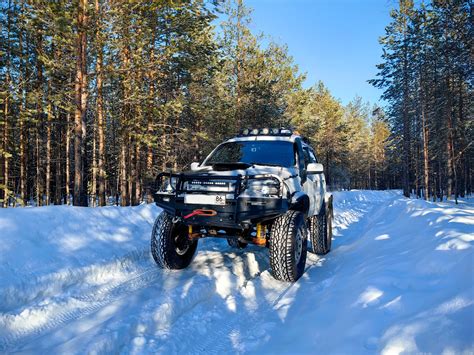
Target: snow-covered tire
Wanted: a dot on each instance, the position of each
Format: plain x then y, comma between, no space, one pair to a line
320,228
170,246
235,243
288,246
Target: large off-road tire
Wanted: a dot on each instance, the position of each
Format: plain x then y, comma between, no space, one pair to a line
170,245
235,243
288,246
320,228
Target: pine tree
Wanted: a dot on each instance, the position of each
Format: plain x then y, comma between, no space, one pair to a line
323,123
426,75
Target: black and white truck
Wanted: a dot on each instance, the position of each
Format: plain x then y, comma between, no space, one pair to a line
264,186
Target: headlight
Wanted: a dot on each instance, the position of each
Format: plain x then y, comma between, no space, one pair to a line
268,187
169,184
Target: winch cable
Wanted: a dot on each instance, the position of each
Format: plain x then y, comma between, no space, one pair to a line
201,212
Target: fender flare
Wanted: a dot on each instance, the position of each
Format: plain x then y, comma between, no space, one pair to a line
300,202
328,201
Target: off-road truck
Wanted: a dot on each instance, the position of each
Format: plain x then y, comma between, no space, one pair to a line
264,186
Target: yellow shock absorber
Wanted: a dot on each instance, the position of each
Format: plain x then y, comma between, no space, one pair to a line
192,235
260,237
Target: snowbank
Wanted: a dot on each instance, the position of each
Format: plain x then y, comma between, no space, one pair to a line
399,278
48,249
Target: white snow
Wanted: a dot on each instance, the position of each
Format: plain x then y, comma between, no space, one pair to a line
399,279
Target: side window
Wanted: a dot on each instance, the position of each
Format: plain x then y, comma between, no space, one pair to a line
295,154
312,156
307,156
301,160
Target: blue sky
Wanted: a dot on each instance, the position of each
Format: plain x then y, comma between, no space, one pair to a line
333,41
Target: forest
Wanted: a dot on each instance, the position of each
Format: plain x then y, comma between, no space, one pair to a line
98,96
427,77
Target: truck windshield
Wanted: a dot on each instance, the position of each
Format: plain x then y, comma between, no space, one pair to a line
274,153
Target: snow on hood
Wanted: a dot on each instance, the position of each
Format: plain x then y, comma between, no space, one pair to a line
256,169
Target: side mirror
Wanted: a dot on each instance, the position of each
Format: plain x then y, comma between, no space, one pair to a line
315,168
194,166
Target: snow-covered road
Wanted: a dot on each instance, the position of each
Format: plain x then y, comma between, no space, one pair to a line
399,278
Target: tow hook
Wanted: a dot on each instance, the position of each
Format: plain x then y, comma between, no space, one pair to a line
201,212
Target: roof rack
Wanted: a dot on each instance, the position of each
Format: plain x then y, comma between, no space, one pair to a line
265,132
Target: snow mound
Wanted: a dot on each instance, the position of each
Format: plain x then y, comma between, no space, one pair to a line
399,279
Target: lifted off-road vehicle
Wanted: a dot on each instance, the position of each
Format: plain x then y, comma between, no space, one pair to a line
264,187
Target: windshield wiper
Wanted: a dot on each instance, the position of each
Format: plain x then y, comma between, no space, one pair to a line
266,164
231,165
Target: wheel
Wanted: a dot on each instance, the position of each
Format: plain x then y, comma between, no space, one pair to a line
235,243
320,227
170,245
288,246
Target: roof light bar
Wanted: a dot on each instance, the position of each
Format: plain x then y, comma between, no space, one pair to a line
285,132
266,131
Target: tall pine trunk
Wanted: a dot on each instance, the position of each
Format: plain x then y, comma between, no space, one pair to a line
80,198
48,149
150,131
132,175
138,167
39,184
123,172
449,143
462,143
39,122
68,158
23,171
426,159
100,109
58,177
6,118
406,133
6,167
94,168
150,112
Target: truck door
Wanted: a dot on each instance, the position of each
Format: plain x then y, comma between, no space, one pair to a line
311,186
319,183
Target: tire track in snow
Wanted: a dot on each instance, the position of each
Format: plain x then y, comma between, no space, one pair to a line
80,306
33,290
230,328
40,320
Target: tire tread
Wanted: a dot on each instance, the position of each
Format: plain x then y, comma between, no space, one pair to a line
319,232
160,239
281,247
